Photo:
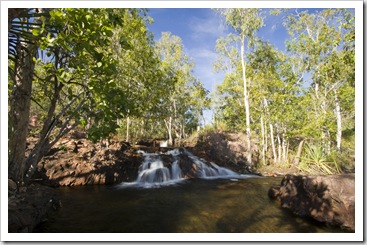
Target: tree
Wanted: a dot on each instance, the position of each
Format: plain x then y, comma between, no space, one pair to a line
22,50
178,102
76,76
139,73
245,22
324,41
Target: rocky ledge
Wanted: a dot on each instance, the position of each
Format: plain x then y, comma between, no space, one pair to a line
28,206
329,199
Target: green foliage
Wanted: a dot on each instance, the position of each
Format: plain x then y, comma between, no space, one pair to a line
184,98
77,77
302,93
324,45
101,69
315,161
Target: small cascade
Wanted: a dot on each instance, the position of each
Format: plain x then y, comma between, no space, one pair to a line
152,170
156,170
176,171
213,171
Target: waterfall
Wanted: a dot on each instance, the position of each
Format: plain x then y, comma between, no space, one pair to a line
159,169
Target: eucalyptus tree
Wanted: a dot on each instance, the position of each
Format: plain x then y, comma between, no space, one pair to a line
138,71
228,103
324,42
275,98
245,23
178,102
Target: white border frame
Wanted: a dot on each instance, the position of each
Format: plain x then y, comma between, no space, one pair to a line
357,236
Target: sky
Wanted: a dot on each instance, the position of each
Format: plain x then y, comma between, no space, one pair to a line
199,28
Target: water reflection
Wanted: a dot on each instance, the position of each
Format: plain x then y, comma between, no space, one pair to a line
197,205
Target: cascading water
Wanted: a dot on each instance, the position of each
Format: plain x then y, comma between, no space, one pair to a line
213,171
154,171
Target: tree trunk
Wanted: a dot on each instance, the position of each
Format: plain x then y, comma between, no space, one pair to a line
127,129
299,151
272,143
19,109
338,121
168,124
263,136
44,143
284,146
279,148
246,94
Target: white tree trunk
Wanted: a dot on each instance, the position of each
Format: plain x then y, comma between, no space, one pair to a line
284,144
127,129
272,143
246,94
263,136
299,151
338,121
168,124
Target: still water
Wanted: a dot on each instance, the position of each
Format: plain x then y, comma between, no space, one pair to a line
196,205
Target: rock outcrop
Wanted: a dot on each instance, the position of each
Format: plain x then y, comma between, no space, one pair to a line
226,149
28,206
328,199
78,161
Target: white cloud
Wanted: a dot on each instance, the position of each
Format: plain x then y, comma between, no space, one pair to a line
202,53
202,27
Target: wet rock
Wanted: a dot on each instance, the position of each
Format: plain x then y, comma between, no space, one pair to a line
329,199
188,167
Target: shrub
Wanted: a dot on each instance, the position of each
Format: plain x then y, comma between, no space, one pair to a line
316,161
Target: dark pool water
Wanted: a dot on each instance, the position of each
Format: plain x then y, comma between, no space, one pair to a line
198,205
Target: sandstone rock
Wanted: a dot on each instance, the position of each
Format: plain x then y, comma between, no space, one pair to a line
328,199
28,208
90,165
225,149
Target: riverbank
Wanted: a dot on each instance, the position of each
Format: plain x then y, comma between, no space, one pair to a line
75,160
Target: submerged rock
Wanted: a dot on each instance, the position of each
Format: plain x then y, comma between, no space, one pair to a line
329,199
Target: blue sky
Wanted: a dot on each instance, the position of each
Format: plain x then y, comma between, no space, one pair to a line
199,28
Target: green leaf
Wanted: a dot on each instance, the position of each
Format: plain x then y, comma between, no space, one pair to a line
36,32
99,64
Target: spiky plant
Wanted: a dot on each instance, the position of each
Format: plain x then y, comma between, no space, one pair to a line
316,161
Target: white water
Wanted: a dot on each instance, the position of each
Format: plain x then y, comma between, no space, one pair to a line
153,172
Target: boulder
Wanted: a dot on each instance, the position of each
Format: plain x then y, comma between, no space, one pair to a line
88,165
29,207
328,199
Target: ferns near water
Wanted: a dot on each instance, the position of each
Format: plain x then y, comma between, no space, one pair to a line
316,161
